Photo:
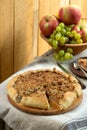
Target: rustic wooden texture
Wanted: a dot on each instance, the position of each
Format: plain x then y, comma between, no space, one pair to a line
82,5
6,38
23,39
20,40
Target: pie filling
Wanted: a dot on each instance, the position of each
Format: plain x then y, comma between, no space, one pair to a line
55,84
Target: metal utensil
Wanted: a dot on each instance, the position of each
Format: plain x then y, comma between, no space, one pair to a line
77,66
66,71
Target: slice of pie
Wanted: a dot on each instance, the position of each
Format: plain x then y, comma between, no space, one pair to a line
44,90
83,63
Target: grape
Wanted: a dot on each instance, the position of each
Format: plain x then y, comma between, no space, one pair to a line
66,40
62,40
70,50
63,34
61,52
71,56
57,36
63,31
62,58
68,29
52,36
54,32
74,32
77,36
56,56
79,41
58,29
67,55
55,44
50,40
62,25
69,34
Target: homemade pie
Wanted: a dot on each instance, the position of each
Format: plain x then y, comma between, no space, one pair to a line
45,91
83,63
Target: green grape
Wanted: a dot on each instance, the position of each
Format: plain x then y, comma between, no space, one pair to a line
77,36
56,56
55,44
68,29
71,56
58,28
63,31
61,52
73,32
70,50
54,32
66,39
50,40
57,36
69,34
79,41
52,36
62,59
73,41
67,56
62,40
62,25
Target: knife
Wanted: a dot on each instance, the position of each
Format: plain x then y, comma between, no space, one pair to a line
66,71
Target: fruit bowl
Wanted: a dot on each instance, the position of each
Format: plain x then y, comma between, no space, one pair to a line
77,48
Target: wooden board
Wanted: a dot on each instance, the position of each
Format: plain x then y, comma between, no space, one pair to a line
52,111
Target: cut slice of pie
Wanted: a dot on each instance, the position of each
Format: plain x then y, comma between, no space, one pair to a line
83,63
36,100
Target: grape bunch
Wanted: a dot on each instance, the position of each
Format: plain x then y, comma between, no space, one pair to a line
62,55
62,35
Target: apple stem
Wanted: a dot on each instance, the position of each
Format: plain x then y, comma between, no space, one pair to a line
47,19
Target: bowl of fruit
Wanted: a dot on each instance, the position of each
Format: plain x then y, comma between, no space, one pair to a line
65,33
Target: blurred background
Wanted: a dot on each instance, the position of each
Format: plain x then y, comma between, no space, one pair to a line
20,40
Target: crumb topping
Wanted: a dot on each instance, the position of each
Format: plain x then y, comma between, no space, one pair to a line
54,83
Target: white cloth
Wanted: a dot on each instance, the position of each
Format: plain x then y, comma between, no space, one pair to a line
18,120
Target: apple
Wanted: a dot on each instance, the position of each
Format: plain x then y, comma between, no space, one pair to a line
81,28
69,14
84,35
78,28
83,24
48,24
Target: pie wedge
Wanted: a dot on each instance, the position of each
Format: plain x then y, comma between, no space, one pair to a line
83,63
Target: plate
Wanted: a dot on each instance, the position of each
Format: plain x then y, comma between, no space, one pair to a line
78,72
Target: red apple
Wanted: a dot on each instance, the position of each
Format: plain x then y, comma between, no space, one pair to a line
70,14
48,25
83,24
78,29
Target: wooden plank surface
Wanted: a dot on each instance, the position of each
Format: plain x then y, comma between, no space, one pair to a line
82,4
24,14
6,38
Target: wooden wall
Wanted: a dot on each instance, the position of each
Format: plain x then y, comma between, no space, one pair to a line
20,40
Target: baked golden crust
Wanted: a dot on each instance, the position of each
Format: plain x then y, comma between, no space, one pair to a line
36,100
83,63
42,88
